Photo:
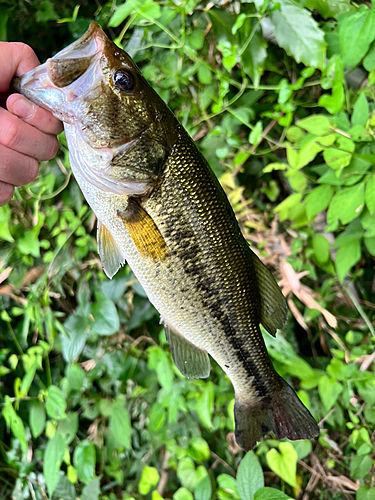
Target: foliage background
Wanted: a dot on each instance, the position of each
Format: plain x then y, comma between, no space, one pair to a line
280,98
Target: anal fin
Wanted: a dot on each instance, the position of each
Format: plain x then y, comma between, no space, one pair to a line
109,252
273,308
192,361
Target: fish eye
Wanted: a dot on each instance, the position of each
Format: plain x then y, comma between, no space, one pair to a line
123,80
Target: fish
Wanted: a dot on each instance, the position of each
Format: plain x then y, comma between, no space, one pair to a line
161,209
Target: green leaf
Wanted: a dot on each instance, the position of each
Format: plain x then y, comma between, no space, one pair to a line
303,448
205,405
318,200
149,478
119,424
321,248
360,111
203,490
68,427
370,194
84,460
316,124
183,494
329,391
196,39
204,75
365,493
53,457
15,423
37,418
346,205
297,32
46,12
284,464
333,103
347,256
329,8
55,403
254,58
92,490
356,32
29,244
77,327
249,476
229,485
186,473
65,490
106,320
360,466
268,493
289,203
157,417
198,449
337,159
5,216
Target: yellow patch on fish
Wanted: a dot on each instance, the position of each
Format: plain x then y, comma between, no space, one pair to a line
144,232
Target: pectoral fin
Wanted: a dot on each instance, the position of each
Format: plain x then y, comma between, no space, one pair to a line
192,361
144,232
273,308
109,252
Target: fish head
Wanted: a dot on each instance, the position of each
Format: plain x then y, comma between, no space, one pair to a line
111,114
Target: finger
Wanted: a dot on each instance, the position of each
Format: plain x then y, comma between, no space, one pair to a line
15,59
16,168
34,115
6,193
22,137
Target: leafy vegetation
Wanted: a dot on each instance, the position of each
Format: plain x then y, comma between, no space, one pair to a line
280,98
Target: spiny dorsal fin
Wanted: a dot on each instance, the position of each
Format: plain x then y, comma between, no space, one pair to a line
109,252
144,232
273,308
192,361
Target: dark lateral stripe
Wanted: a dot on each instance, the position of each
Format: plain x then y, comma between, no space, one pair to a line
245,358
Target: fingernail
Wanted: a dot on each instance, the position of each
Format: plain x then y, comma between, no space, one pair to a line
23,108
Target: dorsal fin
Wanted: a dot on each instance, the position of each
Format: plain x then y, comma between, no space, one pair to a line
109,252
192,361
273,308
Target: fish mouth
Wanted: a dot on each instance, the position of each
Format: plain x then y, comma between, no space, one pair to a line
56,84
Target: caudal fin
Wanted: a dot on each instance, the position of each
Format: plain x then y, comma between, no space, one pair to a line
282,413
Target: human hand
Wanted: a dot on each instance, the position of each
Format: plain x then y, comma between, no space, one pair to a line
27,132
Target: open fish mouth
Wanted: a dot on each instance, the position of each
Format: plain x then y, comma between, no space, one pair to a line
70,74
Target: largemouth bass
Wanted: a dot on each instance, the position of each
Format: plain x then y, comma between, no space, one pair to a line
160,208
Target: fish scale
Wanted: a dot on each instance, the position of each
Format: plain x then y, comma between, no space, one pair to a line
160,208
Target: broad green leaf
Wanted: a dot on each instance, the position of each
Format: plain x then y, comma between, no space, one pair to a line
249,476
360,466
284,462
203,490
183,494
268,493
347,256
84,460
229,485
297,180
156,417
205,405
329,391
204,75
346,205
321,248
149,478
308,152
336,159
369,60
284,208
356,32
298,33
196,39
365,493
37,418
106,320
186,473
92,490
119,424
15,423
198,449
329,8
68,427
370,245
53,457
65,489
360,111
333,103
370,194
29,244
318,200
316,124
254,58
55,403
77,327
303,448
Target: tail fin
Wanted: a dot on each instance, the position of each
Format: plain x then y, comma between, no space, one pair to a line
282,413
